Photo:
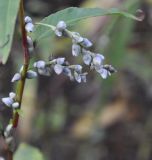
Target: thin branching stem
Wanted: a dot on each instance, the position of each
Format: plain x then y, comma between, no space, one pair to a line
21,83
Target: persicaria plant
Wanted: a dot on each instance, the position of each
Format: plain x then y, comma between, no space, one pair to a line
57,24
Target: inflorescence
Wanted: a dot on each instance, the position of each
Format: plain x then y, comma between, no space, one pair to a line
80,46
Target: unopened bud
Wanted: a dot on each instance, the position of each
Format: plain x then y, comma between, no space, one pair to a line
15,105
7,101
76,37
86,43
58,69
16,77
1,158
28,19
29,41
12,95
39,64
9,140
76,49
78,68
60,60
77,77
29,27
87,59
61,25
98,59
8,130
31,74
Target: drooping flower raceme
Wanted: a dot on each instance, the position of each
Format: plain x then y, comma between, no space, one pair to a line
81,45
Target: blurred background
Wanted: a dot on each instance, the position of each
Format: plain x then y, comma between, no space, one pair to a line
99,120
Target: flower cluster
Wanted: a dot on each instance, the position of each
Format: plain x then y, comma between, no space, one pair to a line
11,100
81,45
60,65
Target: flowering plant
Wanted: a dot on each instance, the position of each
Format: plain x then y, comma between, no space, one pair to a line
57,23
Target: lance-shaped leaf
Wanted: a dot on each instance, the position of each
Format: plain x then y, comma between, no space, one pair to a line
72,15
9,10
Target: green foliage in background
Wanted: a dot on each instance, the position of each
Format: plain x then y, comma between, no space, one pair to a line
9,10
27,152
72,15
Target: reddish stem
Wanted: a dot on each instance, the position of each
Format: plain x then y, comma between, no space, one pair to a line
21,83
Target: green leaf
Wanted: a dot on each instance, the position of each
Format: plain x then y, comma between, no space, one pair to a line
8,14
72,15
27,152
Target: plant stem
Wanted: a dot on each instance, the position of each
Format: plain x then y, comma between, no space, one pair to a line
10,155
21,83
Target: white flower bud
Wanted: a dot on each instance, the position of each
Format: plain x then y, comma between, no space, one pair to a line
15,105
86,43
29,41
87,59
98,59
12,95
8,130
61,26
7,101
60,60
8,140
58,69
16,77
103,73
39,64
9,127
58,33
1,158
76,37
28,19
78,68
31,74
44,71
77,77
29,27
68,73
76,49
